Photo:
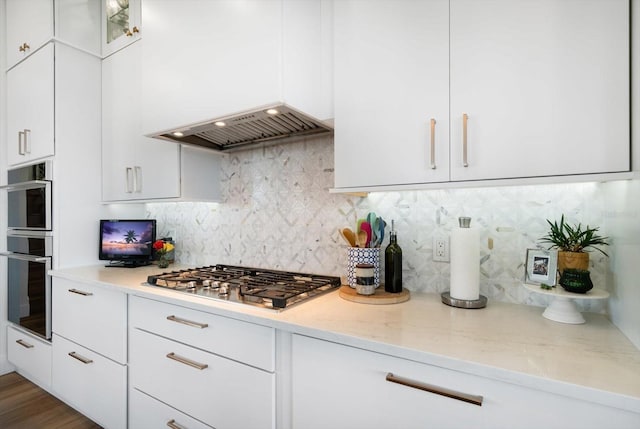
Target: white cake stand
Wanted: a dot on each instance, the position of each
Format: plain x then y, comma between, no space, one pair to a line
563,307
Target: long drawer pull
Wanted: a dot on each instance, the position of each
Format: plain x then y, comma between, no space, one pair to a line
465,158
173,425
24,344
82,359
186,361
187,322
432,126
460,396
80,292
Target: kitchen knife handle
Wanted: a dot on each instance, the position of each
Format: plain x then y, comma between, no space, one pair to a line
460,396
187,322
188,362
465,160
82,359
433,143
24,344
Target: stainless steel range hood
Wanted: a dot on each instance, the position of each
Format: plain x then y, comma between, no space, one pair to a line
275,123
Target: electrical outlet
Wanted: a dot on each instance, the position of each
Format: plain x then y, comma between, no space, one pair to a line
441,248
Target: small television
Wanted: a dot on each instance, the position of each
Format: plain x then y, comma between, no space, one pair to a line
127,243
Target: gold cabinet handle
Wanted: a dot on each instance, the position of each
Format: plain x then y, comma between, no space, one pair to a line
127,32
188,362
82,359
24,47
80,292
173,425
24,344
433,143
465,397
135,30
465,160
187,322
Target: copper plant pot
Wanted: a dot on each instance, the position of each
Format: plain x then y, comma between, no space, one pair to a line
577,260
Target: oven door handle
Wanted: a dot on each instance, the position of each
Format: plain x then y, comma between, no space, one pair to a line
32,184
25,257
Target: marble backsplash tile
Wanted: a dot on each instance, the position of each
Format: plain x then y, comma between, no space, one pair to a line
277,212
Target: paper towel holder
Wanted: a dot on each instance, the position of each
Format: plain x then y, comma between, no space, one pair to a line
481,302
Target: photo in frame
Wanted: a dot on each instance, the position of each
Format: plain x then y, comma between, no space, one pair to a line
541,266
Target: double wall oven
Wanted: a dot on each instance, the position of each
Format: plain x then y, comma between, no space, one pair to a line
29,247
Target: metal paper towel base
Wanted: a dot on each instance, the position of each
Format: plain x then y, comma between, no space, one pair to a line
464,303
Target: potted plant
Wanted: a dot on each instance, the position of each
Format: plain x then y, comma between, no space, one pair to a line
572,242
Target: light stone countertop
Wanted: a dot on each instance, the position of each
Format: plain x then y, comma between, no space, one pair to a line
507,342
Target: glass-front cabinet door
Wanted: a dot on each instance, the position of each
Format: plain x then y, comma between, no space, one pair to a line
122,24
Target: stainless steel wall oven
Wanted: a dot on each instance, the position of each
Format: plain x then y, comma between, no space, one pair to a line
29,247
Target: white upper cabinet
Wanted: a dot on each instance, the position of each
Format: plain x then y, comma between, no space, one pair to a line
30,108
206,59
121,24
391,92
29,26
545,86
467,90
32,23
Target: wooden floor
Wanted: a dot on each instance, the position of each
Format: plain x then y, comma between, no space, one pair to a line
23,405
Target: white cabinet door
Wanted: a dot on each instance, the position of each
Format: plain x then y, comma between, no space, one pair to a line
134,167
30,108
545,85
203,385
29,25
353,384
93,316
121,24
30,355
89,382
391,83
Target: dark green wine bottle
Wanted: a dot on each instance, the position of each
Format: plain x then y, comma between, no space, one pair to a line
393,264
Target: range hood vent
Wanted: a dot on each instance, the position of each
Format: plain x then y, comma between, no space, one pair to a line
269,124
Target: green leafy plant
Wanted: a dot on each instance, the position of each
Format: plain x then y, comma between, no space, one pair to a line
573,238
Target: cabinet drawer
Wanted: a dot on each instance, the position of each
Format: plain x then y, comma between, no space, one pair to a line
147,412
207,387
345,375
92,316
94,385
30,355
242,341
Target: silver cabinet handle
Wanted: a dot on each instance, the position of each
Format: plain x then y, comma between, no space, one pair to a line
20,143
27,141
137,179
82,359
433,143
24,344
29,258
129,173
172,423
187,322
465,119
186,361
465,397
80,292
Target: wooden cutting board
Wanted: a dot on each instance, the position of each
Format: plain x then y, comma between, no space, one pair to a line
379,297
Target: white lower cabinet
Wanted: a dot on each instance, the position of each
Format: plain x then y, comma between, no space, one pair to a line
30,355
147,412
352,384
94,385
207,367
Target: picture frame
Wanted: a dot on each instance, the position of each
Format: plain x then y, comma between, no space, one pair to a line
541,267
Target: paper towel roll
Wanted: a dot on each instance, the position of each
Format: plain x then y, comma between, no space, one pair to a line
465,264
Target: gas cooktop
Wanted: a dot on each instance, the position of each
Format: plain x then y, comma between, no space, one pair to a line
254,286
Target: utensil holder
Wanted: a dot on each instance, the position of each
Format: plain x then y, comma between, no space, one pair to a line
363,255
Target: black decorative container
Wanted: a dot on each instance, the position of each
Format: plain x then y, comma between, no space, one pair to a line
576,281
